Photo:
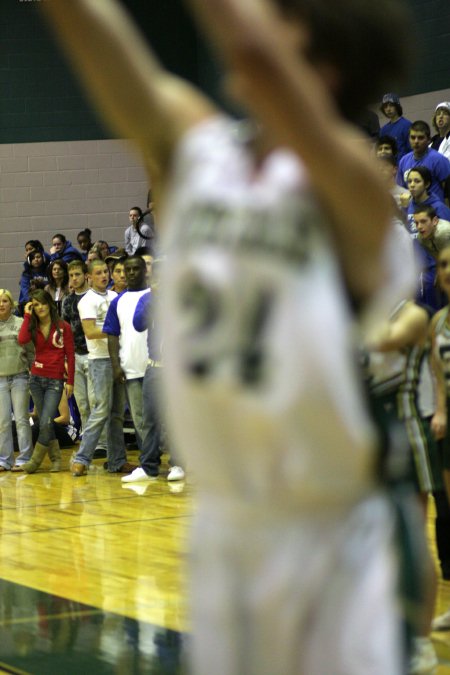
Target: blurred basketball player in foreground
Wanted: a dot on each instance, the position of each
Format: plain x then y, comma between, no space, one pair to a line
268,249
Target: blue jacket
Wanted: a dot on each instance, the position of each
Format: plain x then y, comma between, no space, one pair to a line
68,253
30,273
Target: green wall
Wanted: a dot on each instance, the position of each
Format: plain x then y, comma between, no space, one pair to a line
40,99
431,44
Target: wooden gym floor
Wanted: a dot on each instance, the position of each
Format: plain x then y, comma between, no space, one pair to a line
93,575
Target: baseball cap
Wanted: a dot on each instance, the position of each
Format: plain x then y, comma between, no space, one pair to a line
445,105
390,98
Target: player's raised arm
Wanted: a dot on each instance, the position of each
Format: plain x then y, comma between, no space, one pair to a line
285,73
137,97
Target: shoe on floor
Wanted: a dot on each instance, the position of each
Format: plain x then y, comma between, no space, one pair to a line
441,622
176,473
424,660
138,475
99,453
79,469
16,468
126,468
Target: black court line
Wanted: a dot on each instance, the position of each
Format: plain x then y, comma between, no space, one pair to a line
81,527
64,505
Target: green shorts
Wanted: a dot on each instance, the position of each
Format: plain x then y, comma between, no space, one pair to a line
412,453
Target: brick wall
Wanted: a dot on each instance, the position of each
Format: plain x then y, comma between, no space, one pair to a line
423,106
64,187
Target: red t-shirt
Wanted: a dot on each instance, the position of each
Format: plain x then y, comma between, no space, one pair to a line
51,352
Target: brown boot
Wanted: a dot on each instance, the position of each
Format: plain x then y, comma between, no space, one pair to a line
37,458
54,452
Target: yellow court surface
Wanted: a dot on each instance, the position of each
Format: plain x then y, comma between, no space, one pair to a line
90,551
93,574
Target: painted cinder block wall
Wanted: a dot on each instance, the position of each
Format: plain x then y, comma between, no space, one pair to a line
59,168
64,186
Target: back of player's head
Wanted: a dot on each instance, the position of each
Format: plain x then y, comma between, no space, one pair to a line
366,43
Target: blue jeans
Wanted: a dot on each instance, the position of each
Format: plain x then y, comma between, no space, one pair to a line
134,395
15,396
151,426
108,409
46,393
84,394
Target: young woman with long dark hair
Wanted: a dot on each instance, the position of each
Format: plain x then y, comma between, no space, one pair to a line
58,282
54,347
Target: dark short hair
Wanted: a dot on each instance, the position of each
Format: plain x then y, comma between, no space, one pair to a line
424,172
135,257
85,233
422,127
143,250
59,236
77,264
36,245
387,140
429,210
136,208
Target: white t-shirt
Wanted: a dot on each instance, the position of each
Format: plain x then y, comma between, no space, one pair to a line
133,352
94,305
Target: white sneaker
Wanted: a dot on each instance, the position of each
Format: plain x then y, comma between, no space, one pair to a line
441,622
138,475
176,473
424,659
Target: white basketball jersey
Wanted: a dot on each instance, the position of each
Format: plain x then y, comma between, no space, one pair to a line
262,395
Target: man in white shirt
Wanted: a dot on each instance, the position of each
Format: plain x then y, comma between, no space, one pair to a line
109,396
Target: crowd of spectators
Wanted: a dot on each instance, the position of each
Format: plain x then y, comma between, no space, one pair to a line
77,353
